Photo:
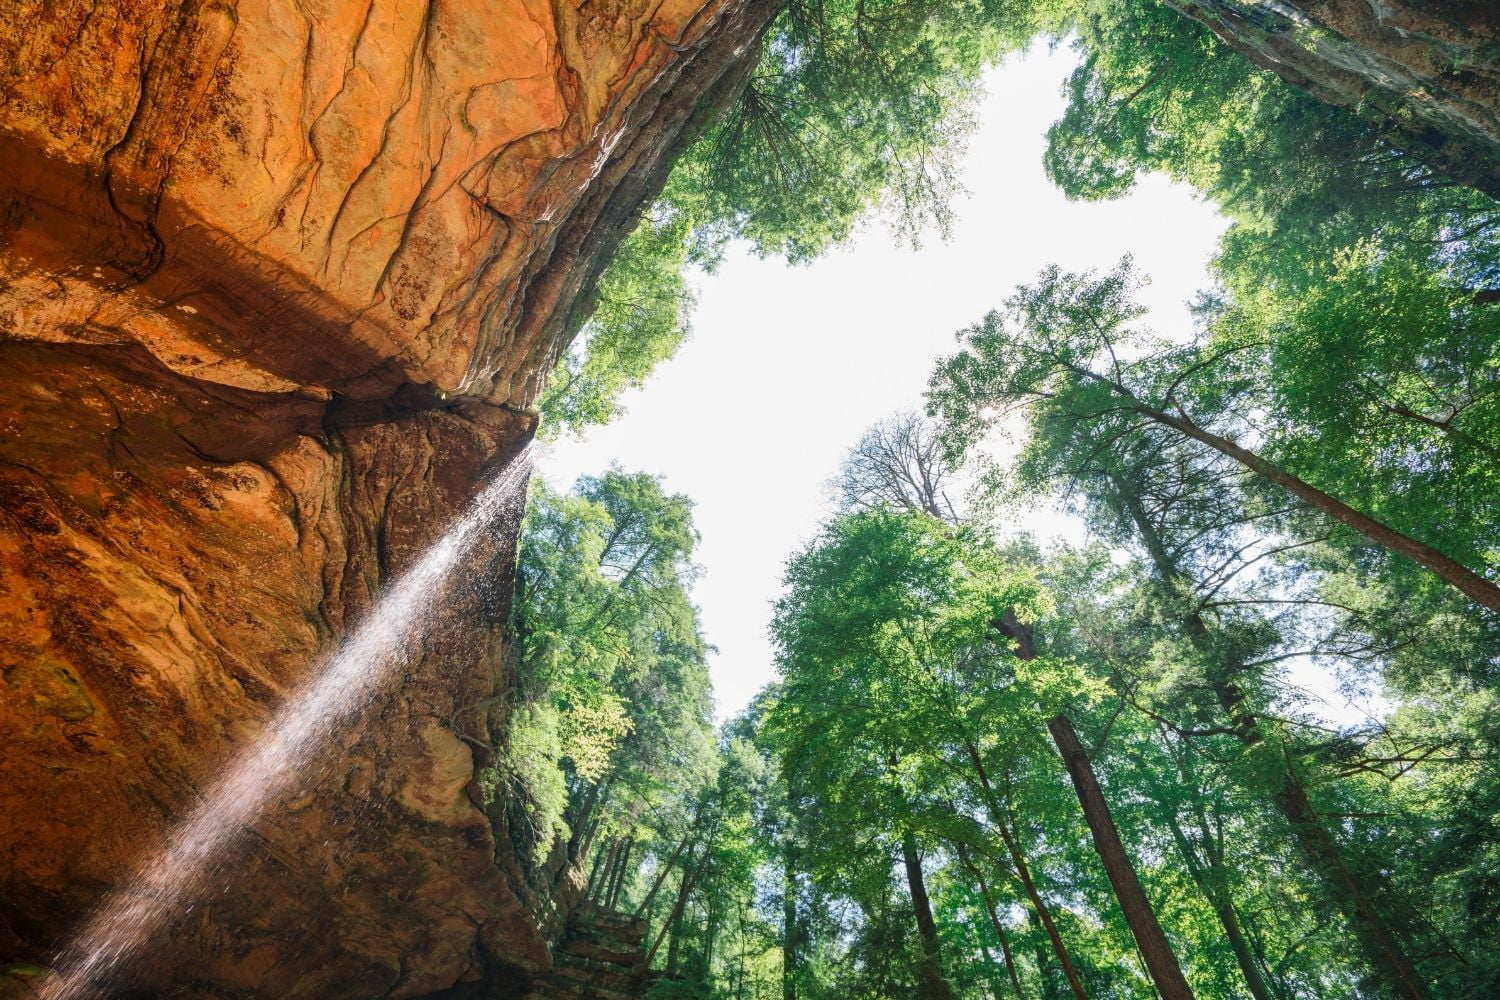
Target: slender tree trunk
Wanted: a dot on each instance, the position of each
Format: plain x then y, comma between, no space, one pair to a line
579,824
739,966
931,985
1156,952
1354,898
1039,954
1465,580
684,890
790,930
674,945
597,890
710,937
588,838
588,893
1023,871
1323,853
1214,886
620,870
1000,935
661,876
990,978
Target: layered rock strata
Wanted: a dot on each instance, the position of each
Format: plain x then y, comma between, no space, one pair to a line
277,285
602,956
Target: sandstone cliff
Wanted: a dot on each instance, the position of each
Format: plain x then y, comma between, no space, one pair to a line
278,283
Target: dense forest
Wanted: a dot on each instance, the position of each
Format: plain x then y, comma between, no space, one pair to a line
997,769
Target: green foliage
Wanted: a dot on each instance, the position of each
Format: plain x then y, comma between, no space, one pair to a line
613,682
855,107
1351,342
1238,579
1068,360
1381,383
640,320
533,750
675,989
1156,92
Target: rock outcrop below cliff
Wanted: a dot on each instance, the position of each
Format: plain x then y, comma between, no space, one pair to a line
601,956
278,283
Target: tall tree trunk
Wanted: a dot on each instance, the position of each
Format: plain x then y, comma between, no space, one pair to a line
790,930
1459,576
620,870
989,906
1039,954
991,980
579,823
588,892
597,889
931,985
1023,871
739,965
674,945
710,937
684,891
1354,898
588,839
1156,952
661,876
1382,950
1215,888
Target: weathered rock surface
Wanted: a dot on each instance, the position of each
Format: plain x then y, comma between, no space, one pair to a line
602,956
1425,71
278,279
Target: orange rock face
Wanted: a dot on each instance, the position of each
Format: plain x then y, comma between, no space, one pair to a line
278,280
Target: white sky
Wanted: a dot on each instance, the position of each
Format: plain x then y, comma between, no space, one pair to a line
787,366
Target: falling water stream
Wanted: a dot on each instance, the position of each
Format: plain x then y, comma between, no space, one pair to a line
194,857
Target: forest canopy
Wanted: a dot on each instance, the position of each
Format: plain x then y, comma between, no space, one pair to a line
992,767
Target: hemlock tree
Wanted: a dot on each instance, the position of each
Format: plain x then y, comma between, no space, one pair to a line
891,659
1066,350
1203,524
612,708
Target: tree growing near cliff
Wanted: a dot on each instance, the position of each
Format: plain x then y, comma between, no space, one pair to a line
1245,580
1158,92
612,709
858,108
855,106
640,318
903,711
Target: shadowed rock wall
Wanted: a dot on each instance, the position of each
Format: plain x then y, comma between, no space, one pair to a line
277,284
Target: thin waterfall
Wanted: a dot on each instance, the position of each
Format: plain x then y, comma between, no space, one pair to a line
346,681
